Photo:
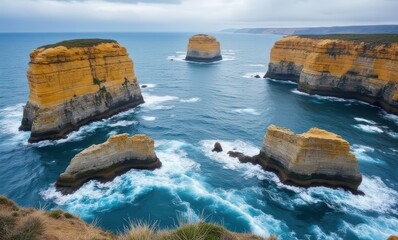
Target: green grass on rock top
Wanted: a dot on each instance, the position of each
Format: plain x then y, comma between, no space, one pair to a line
89,42
367,38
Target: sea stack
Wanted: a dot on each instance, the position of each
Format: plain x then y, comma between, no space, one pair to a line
313,158
364,68
75,82
203,48
105,161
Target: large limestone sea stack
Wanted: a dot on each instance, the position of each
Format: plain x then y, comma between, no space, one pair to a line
77,81
105,161
363,67
316,157
203,48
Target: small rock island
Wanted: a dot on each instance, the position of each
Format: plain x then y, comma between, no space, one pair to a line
105,161
75,82
316,157
313,158
203,48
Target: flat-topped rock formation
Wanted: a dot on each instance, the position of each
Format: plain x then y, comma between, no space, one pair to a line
75,82
105,161
316,157
363,67
203,48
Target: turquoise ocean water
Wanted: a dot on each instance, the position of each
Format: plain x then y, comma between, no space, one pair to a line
189,107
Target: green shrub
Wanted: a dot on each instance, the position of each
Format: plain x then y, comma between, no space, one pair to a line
89,42
57,213
98,82
7,202
68,215
29,230
367,38
7,224
190,231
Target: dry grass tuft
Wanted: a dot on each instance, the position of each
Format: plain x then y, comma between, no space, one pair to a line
139,230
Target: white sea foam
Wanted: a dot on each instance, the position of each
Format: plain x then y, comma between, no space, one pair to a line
227,55
88,130
94,196
392,134
391,117
122,123
247,170
255,65
253,74
368,128
149,118
154,102
190,100
373,228
361,151
330,98
147,86
180,176
282,81
246,111
317,232
111,133
364,120
10,120
378,197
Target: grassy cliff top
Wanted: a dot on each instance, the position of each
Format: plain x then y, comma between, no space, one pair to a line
367,38
33,224
89,42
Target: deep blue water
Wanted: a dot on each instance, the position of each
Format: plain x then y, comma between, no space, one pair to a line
188,107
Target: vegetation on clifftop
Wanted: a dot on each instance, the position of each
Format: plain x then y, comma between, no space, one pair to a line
89,42
367,38
31,224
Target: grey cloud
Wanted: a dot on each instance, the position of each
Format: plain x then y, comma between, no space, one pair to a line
189,15
129,1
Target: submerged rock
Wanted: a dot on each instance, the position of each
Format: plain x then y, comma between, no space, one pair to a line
243,158
75,82
257,76
217,147
203,48
105,161
317,157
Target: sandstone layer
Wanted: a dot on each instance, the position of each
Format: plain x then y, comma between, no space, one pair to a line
317,157
75,82
105,161
350,69
203,48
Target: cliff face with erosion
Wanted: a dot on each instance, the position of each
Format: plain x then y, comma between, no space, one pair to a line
349,69
203,48
74,82
105,161
316,157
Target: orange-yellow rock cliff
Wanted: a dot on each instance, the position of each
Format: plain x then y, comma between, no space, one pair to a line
71,86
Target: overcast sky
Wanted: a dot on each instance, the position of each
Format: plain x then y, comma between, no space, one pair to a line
188,15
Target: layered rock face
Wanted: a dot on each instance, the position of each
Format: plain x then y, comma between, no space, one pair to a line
316,157
349,69
203,48
72,84
105,161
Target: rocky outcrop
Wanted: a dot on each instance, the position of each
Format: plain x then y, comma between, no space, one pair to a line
105,161
217,147
75,82
350,69
203,48
317,157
